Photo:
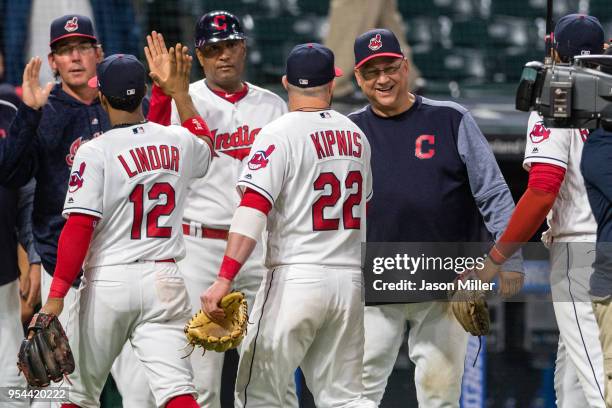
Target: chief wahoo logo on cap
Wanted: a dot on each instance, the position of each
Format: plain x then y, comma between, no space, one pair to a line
72,25
375,43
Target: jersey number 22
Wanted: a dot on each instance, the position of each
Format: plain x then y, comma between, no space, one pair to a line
319,222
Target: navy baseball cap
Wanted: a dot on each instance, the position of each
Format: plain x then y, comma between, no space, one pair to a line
379,42
72,25
120,76
310,65
578,34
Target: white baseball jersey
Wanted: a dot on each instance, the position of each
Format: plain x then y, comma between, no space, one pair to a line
212,200
314,167
571,218
135,180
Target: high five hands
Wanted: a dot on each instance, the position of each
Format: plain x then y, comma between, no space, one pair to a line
169,69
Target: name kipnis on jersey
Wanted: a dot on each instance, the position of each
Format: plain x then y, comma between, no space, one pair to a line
330,143
149,158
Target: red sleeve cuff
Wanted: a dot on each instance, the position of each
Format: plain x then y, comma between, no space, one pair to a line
254,199
59,288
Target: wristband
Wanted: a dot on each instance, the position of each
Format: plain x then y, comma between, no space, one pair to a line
496,256
59,288
229,268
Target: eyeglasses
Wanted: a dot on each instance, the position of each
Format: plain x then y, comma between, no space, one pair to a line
82,48
370,74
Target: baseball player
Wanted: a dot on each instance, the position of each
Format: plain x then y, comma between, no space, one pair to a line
309,176
460,188
236,111
556,188
50,126
125,199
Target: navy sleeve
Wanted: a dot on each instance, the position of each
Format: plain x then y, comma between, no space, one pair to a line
24,220
487,183
598,152
18,160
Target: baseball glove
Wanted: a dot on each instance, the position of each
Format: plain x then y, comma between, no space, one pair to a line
222,336
45,356
471,310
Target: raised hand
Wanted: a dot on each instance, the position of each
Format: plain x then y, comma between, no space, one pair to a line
33,94
157,55
173,76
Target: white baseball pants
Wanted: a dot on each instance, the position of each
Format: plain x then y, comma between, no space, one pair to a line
307,316
200,268
127,370
144,303
579,370
437,346
10,341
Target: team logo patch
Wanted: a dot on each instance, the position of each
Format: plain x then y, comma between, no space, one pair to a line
375,43
539,133
260,159
138,130
72,25
73,149
76,179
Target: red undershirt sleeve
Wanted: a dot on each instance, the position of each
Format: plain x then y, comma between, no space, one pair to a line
544,184
253,199
160,107
71,251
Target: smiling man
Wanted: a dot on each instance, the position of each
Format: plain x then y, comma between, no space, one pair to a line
436,180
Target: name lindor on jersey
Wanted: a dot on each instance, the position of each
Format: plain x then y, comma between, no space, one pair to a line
347,143
150,158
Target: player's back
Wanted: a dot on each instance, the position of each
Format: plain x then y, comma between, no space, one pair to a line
135,179
315,169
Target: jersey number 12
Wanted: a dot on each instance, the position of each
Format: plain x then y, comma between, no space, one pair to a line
137,198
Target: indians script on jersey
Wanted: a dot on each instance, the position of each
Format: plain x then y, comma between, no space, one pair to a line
236,144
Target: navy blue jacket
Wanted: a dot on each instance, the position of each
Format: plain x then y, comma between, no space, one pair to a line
42,144
435,178
15,206
596,169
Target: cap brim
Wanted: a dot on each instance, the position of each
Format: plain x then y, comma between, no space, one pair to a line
382,54
93,82
91,37
338,72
